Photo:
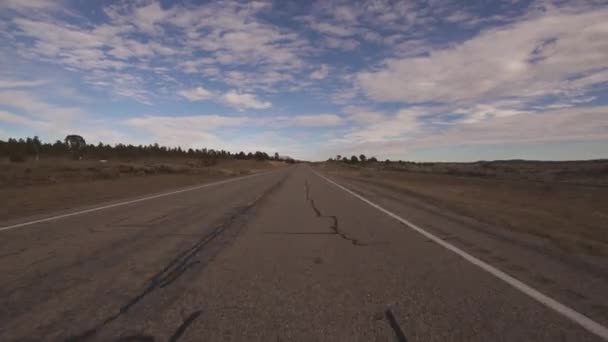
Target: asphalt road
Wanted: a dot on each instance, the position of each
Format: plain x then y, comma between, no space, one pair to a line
281,256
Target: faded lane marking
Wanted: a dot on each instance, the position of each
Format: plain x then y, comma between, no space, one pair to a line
573,315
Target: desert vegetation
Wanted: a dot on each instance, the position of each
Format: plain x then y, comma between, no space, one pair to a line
37,177
30,161
592,172
353,159
563,202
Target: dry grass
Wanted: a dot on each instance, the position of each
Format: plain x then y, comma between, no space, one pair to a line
46,186
579,172
567,206
59,171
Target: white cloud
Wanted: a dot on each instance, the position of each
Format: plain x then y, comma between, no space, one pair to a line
230,98
316,120
30,4
582,124
340,43
204,130
146,17
480,112
193,66
50,121
344,96
557,53
244,101
364,115
12,118
185,131
196,94
140,37
331,29
541,65
396,135
25,102
11,84
321,73
383,127
197,122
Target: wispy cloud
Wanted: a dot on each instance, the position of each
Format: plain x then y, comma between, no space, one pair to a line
555,54
196,94
135,41
321,73
11,84
316,120
29,104
374,76
244,101
569,124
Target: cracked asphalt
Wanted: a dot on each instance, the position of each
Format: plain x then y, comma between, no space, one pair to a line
282,256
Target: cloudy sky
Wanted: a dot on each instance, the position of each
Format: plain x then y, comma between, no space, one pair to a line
415,80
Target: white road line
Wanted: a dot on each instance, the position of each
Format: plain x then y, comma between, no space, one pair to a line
575,316
52,218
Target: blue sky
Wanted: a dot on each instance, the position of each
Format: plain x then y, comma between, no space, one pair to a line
412,80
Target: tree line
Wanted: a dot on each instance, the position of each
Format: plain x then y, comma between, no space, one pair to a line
354,159
75,147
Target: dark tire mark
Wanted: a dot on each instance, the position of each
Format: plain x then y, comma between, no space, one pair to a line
395,326
299,233
175,268
136,338
601,310
176,273
497,259
182,328
118,248
13,253
575,295
543,280
483,250
515,268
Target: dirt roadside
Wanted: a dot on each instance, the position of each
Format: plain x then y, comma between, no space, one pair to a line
32,189
572,217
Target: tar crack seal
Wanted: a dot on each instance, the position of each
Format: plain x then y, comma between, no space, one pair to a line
335,227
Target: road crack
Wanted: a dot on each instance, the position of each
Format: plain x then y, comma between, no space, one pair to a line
335,225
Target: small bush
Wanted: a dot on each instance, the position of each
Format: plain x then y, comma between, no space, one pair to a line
17,157
123,168
210,161
109,174
368,174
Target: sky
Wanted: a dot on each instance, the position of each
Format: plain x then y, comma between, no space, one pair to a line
412,80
